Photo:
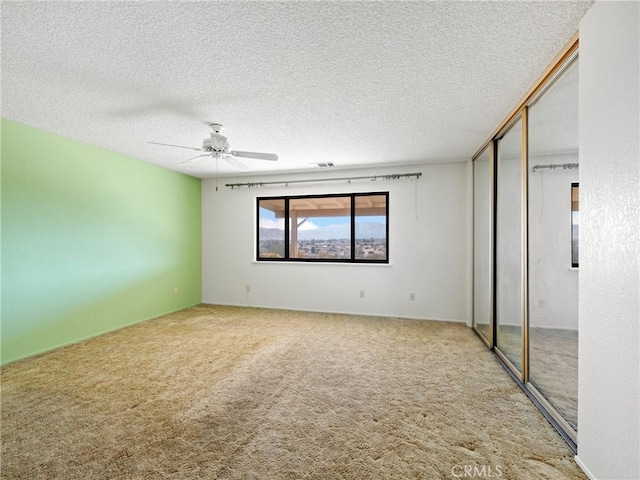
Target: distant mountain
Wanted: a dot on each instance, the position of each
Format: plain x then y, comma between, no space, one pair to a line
370,230
326,233
271,234
363,230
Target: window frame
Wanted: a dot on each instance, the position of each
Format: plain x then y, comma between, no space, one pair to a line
352,214
575,236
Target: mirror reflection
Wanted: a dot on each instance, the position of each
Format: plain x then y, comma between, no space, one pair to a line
553,245
509,246
482,190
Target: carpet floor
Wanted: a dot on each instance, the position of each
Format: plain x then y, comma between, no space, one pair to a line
553,364
215,392
554,369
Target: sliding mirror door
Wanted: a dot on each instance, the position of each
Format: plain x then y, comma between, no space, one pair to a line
482,246
553,245
509,266
526,245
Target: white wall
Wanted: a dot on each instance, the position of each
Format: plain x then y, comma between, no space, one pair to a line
553,284
609,285
428,249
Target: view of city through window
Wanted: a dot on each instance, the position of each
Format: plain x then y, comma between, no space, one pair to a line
321,228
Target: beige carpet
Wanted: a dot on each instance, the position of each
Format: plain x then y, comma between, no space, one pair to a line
241,393
554,369
553,363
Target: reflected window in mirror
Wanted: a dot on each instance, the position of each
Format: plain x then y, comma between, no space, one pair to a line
575,221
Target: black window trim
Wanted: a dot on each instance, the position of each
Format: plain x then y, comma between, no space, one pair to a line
351,260
573,263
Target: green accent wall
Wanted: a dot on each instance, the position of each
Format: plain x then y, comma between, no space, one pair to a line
92,241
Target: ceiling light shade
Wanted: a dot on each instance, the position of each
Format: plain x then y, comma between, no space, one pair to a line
218,142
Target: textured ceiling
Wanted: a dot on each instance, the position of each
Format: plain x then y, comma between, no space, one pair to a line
354,83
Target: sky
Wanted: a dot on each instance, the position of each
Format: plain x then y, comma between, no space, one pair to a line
268,220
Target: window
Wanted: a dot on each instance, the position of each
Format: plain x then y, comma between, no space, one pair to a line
575,221
337,228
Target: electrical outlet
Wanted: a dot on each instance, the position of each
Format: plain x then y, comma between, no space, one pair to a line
248,288
175,290
412,297
361,293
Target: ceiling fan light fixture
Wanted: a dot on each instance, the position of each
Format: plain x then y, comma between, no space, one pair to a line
218,142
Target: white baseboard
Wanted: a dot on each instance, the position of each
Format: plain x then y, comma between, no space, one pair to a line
584,468
367,314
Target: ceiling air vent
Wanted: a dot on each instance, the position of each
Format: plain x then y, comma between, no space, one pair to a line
325,164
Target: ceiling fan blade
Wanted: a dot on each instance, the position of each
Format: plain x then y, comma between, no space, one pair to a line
260,156
191,160
178,146
235,162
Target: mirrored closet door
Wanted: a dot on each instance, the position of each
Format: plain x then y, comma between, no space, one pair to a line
553,244
526,244
509,272
482,245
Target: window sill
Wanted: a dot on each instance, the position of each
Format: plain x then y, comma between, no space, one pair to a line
341,264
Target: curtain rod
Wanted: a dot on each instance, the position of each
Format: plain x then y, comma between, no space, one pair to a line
373,178
553,166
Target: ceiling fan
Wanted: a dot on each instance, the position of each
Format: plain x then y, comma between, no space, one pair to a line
217,146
